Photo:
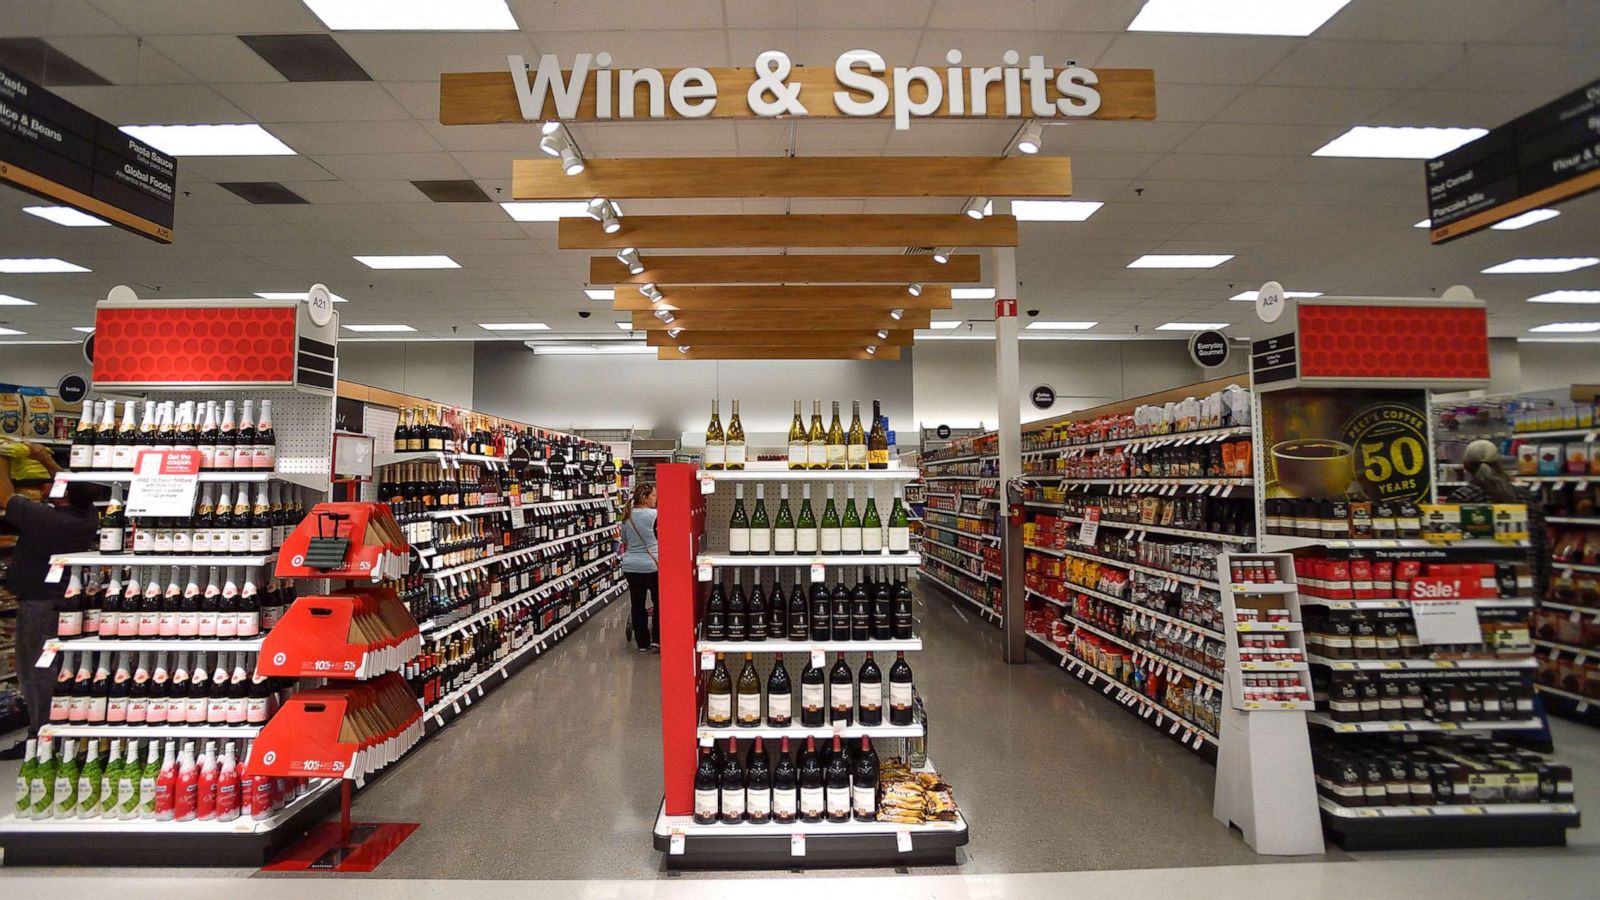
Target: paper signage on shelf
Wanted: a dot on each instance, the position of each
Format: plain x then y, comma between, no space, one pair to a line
519,518
164,483
1442,612
1090,528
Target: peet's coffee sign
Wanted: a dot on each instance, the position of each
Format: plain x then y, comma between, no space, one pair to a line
58,151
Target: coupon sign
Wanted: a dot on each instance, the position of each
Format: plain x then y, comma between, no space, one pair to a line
1090,527
164,483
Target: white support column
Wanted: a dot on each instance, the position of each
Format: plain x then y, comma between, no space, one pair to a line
1007,366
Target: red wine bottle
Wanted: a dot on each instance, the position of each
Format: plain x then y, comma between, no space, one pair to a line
837,781
870,705
901,692
706,806
864,783
732,784
785,783
812,801
758,786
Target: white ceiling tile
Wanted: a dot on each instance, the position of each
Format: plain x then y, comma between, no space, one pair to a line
1569,22
327,192
56,18
189,17
413,56
320,101
822,46
1457,108
1406,172
1259,140
249,168
1551,71
1270,104
1076,136
419,98
541,16
167,104
317,138
389,191
1448,21
1204,59
381,166
1363,64
215,58
1215,167
1191,102
640,47
987,47
1122,164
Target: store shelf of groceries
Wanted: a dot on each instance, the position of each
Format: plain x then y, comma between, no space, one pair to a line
1218,536
239,826
667,826
1376,665
821,732
91,644
1448,810
151,731
1171,439
1117,563
158,559
543,506
437,631
777,646
983,609
1137,703
1128,605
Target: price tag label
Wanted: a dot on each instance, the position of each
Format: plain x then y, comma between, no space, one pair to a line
708,660
708,484
797,844
53,576
456,707
675,843
817,657
819,572
902,841
704,571
1174,728
480,692
467,699
438,721
48,656
58,488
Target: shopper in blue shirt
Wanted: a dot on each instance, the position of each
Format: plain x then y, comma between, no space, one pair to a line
641,563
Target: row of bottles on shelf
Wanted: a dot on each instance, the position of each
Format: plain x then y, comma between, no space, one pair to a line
163,688
1223,459
1180,694
1229,407
731,701
413,490
225,443
856,531
178,602
1402,697
1192,558
870,609
481,537
441,601
434,428
1392,634
227,520
836,785
1212,514
816,447
96,779
1380,770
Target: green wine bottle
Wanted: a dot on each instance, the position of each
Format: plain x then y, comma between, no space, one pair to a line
805,528
739,524
871,527
783,528
760,526
899,525
850,527
830,536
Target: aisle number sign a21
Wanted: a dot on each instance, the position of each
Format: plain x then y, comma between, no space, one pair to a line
909,91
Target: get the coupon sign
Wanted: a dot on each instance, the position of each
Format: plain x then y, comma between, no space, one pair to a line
164,483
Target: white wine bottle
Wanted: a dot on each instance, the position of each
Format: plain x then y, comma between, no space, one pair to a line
716,452
798,449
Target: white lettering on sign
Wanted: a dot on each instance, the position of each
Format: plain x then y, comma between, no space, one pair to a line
869,87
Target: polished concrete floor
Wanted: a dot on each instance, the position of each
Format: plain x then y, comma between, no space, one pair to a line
555,778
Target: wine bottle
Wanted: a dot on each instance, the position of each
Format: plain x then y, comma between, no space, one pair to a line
127,437
719,696
841,692
899,524
783,532
749,694
144,438
799,618
760,526
715,627
871,527
105,437
707,805
93,603
835,447
813,804
877,440
903,617
244,439
798,452
42,783
839,611
882,611
821,611
837,780
69,612
901,693
731,781
227,440
870,678
436,433
113,524
108,784
737,609
239,536
128,781
805,529
813,700
830,534
755,619
864,783
80,457
171,606
780,696
860,610
739,524
758,786
715,456
785,782
816,439
65,800
734,445
850,525
259,535
206,439
266,442
777,609
856,439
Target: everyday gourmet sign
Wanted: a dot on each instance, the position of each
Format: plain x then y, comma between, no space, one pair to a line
859,84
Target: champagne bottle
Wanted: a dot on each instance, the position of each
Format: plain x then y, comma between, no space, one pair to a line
749,694
105,437
715,456
42,783
841,692
785,783
899,524
758,786
145,437
901,692
227,440
719,696
88,789
864,783
122,449
69,612
816,439
856,439
707,805
206,440
731,781
836,447
812,802
113,524
877,440
870,677
739,524
109,776
836,778
734,452
830,536
798,452
805,528
813,696
760,526
65,801
25,776
266,440
244,439
871,527
130,780
81,456
850,526
780,695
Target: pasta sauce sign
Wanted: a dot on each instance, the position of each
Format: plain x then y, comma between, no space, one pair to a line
1370,444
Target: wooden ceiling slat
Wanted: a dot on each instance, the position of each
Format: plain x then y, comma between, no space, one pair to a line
657,232
847,268
793,338
787,297
795,176
824,321
884,353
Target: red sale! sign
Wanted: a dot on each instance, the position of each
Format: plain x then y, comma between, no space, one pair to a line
1443,587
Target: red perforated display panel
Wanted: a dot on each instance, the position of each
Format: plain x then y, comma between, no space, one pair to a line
139,345
1393,342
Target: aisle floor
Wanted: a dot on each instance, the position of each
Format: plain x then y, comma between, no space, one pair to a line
556,777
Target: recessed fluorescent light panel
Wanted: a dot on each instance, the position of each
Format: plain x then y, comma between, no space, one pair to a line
414,15
1398,142
11,331
86,329
1061,326
944,326
379,328
624,326
514,326
1191,326
600,293
1548,265
1296,18
542,211
1531,217
594,350
1180,261
210,140
66,215
1568,327
1425,223
972,293
1054,210
294,295
38,266
1547,297
1250,296
408,262
8,300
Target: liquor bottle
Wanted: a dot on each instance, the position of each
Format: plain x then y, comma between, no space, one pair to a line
835,446
88,789
821,611
760,526
901,694
227,440
65,800
739,524
738,609
798,452
860,610
841,692
719,696
813,804
81,456
882,611
902,612
244,439
799,618
755,617
830,536
871,527
758,786
877,440
785,781
749,694
839,611
899,524
715,456
805,528
113,524
715,627
127,436
864,783
870,677
813,700
783,531
856,439
206,440
69,612
837,780
850,526
732,784
42,783
780,696
734,454
707,807
105,437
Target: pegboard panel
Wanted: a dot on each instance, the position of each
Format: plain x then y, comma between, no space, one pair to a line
303,422
379,422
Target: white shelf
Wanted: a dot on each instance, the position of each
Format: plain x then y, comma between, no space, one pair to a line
523,551
389,459
1278,543
959,477
1159,481
890,646
1573,520
1589,433
772,559
1568,607
1434,812
820,732
951,529
1244,627
152,731
1128,605
1162,529
242,825
1134,567
541,506
953,548
959,515
318,482
435,632
1154,657
1480,602
248,645
983,610
1560,647
667,826
1523,662
1176,439
1094,675
955,568
781,472
162,559
1283,665
1575,567
1275,587
1558,692
1418,725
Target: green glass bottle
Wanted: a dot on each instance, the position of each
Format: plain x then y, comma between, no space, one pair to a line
739,524
66,792
805,528
850,527
42,784
899,525
108,782
30,765
89,782
828,539
760,526
871,527
783,536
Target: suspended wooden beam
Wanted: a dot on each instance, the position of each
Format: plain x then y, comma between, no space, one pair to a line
660,232
883,353
490,98
825,320
786,297
795,338
795,176
848,268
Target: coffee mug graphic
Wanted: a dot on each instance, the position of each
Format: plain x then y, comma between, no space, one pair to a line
1313,467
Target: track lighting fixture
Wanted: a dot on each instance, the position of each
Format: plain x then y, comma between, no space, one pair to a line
571,161
895,314
977,207
684,348
647,288
883,334
609,223
941,255
872,350
914,288
558,142
549,127
674,332
1031,138
630,258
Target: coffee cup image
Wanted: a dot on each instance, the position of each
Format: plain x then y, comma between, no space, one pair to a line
1313,467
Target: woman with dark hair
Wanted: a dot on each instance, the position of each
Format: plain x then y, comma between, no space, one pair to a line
1487,483
641,563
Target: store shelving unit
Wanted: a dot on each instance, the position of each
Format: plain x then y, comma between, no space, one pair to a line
961,474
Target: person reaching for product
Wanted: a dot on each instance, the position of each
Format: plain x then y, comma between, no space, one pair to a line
67,525
641,565
1487,483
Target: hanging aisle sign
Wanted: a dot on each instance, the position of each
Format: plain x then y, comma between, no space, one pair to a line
860,84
